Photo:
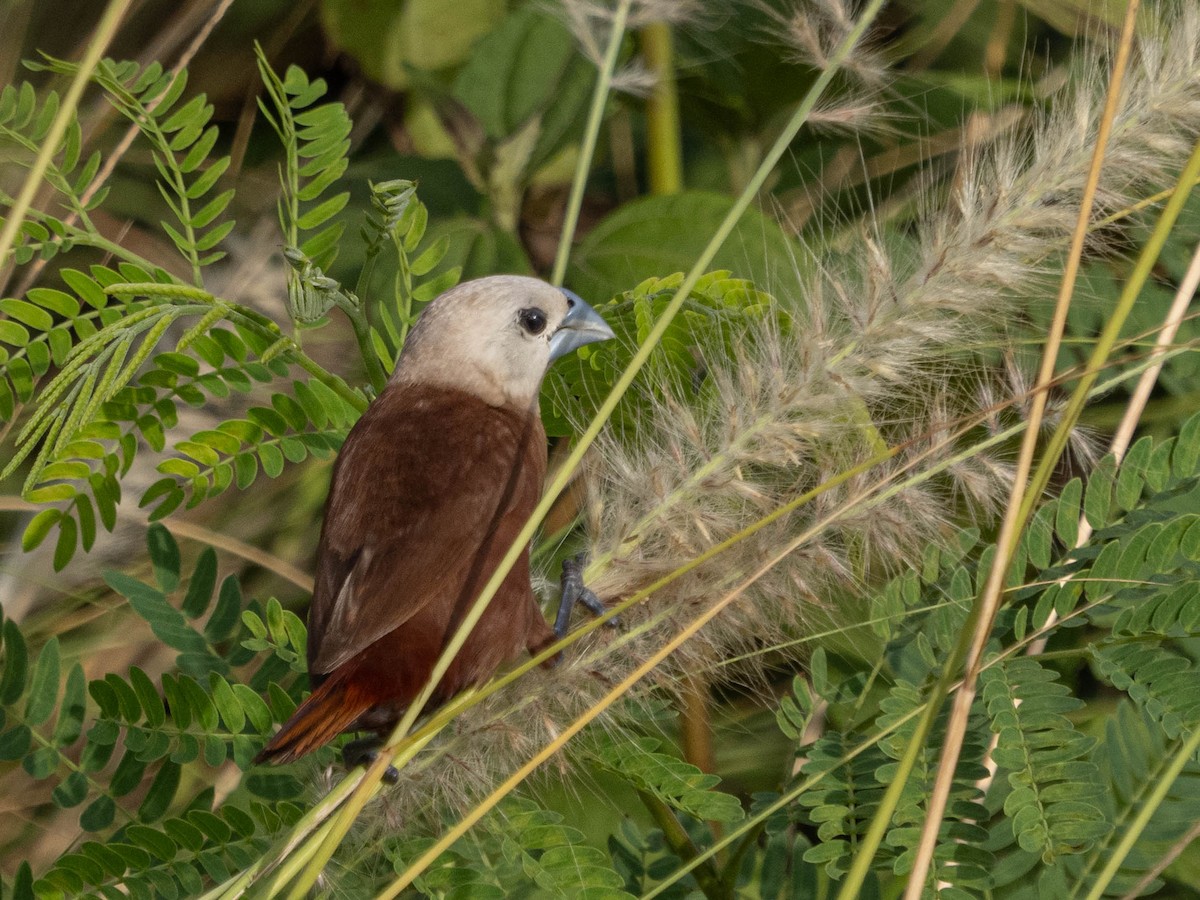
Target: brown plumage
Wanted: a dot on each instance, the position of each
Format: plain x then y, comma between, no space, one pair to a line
431,488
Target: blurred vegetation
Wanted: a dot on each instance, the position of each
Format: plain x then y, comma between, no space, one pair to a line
217,270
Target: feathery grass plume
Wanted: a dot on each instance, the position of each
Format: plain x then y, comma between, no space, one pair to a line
891,343
590,22
809,30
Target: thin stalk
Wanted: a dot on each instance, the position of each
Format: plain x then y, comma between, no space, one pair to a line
695,723
1141,393
310,821
1108,337
106,30
567,471
677,838
1025,494
664,166
664,154
1182,757
318,850
591,134
356,312
1189,837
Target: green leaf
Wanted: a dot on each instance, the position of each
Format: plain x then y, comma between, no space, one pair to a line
679,784
387,39
13,333
200,588
39,526
273,786
152,840
43,688
227,704
228,611
207,179
15,742
164,556
148,697
71,709
72,791
272,460
189,114
33,316
99,815
655,236
164,620
321,213
254,708
55,301
162,792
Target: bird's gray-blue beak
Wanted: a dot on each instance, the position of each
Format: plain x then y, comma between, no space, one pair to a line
582,325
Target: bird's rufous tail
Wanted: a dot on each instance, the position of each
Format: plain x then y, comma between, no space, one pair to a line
328,711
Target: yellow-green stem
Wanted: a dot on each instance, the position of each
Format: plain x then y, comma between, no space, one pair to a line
1182,757
1108,337
319,849
664,152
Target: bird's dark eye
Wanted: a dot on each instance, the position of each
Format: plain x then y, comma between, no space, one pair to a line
532,320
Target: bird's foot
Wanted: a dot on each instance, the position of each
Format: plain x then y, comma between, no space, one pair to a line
575,591
363,752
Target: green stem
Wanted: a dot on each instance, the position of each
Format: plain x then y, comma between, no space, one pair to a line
357,314
106,30
733,866
664,153
1182,757
681,843
591,133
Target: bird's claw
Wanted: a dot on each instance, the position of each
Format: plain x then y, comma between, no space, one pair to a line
363,752
575,591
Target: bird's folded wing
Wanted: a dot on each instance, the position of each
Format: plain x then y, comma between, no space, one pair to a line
410,524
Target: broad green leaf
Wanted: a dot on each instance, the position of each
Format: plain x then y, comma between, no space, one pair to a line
387,38
656,236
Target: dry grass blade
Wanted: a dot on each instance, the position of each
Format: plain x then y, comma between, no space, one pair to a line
1141,393
983,616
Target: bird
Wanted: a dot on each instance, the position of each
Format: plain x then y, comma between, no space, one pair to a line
430,489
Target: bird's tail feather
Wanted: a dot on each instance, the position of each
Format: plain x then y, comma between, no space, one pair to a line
329,710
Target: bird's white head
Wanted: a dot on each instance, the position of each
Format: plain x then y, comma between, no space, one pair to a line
496,337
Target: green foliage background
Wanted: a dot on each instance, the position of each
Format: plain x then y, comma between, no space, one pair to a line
159,382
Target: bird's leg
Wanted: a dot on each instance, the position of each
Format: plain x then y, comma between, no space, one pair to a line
575,591
363,752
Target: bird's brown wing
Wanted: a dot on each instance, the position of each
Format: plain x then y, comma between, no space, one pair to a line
426,491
